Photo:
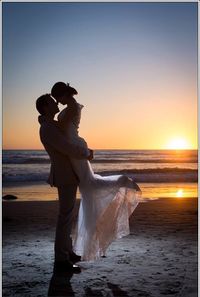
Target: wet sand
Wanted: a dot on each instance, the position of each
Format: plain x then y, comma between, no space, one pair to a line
158,258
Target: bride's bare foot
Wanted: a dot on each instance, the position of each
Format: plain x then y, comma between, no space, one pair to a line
123,180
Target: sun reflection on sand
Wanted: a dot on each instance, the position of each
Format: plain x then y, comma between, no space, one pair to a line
179,193
169,190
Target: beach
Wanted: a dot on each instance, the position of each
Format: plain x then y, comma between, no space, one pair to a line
158,258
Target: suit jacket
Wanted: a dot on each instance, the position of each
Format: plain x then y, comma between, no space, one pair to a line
59,151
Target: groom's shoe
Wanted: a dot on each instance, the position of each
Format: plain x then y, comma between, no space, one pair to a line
65,266
74,257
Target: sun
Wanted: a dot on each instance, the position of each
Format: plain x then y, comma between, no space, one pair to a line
178,144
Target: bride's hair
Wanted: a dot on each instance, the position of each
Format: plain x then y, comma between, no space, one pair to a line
60,89
43,101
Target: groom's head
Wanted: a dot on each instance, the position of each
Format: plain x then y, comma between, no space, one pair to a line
46,105
63,93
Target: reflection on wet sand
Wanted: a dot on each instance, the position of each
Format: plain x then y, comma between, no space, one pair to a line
60,284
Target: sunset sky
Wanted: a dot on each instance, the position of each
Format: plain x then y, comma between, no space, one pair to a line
134,65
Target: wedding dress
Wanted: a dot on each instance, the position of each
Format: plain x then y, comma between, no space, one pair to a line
106,201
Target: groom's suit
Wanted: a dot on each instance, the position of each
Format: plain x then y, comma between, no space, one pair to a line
64,178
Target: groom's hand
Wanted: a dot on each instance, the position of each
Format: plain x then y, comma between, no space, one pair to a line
91,156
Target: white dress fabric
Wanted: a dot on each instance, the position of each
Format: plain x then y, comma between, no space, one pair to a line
106,201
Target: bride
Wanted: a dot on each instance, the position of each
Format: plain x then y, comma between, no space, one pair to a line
106,201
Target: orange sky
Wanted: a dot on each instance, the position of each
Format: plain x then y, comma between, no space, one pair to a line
145,123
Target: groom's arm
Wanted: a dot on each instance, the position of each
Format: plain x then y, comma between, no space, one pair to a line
52,136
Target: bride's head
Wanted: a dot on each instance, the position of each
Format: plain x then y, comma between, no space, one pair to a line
63,93
46,105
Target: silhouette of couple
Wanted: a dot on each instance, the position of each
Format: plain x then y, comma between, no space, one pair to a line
106,201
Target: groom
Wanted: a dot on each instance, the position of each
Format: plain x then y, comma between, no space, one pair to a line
61,176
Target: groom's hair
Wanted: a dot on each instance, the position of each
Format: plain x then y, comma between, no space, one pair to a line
43,101
60,89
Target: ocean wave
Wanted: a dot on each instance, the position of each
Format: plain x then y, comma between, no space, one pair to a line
152,170
95,161
107,156
27,161
144,161
157,175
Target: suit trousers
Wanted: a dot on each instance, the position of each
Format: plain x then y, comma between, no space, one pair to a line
63,241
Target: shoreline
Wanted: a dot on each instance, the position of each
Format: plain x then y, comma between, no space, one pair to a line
42,191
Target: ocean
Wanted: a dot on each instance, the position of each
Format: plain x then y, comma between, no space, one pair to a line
159,173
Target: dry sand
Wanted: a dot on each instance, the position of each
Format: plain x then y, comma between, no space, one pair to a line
158,258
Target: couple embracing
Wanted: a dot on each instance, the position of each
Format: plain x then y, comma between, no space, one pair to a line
106,201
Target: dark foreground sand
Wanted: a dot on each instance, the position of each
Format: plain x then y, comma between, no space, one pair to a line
158,258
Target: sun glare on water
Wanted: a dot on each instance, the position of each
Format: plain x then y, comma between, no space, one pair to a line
178,144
